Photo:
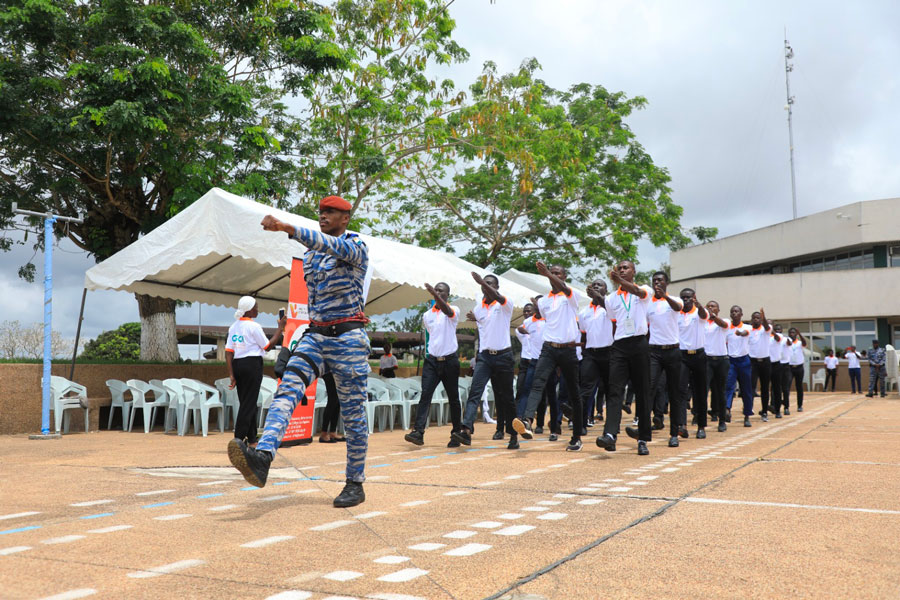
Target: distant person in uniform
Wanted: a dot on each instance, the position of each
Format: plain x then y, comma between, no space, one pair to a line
877,369
387,365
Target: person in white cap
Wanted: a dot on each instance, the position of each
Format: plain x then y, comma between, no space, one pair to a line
244,350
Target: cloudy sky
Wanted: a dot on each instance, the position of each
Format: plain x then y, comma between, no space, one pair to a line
713,74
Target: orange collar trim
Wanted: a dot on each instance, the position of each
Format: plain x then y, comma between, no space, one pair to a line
690,312
245,319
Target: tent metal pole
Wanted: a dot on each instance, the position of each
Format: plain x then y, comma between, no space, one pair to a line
77,335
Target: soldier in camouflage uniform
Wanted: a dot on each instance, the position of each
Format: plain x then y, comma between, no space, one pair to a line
334,268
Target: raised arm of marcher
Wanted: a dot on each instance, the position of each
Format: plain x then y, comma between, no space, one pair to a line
351,249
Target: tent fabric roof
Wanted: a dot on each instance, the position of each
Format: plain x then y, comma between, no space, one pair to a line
215,251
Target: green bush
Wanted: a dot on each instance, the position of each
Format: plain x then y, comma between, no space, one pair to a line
122,344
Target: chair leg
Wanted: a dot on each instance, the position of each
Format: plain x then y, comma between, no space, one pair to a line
57,419
87,420
112,409
148,410
204,419
126,412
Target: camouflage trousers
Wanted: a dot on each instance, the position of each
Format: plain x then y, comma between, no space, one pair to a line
346,356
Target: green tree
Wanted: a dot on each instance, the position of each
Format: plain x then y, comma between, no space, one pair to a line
125,112
123,344
549,174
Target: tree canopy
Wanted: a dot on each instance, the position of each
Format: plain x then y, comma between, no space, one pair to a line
122,343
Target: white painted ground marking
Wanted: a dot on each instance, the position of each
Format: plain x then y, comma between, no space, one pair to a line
340,598
514,530
427,546
452,462
468,550
291,595
487,525
553,516
154,492
563,495
342,575
577,460
394,597
171,517
536,471
425,467
273,498
72,594
638,483
416,503
648,477
306,491
460,534
13,550
63,540
174,567
599,485
18,515
219,482
456,493
535,508
489,483
111,529
223,507
670,470
588,489
403,575
685,464
559,466
377,477
549,502
590,501
91,503
510,516
267,541
613,480
332,525
619,489
514,477
391,560
369,515
876,511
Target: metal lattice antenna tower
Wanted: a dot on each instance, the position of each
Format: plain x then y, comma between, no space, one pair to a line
788,67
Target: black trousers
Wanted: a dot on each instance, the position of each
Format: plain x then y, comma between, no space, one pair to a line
629,359
717,374
667,361
248,374
786,382
434,372
498,369
776,400
693,385
332,412
594,376
761,370
797,372
566,360
832,375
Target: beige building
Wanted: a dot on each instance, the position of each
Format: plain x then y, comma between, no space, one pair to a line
835,275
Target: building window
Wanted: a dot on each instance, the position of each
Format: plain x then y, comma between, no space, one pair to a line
836,335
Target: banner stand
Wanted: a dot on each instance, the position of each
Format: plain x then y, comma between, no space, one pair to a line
300,428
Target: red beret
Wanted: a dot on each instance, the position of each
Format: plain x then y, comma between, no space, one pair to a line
335,202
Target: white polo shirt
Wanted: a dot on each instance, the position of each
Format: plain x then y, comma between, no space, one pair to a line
758,344
531,341
852,360
831,362
493,324
691,330
246,338
714,343
776,348
738,345
561,314
797,356
663,322
441,331
596,325
786,350
629,312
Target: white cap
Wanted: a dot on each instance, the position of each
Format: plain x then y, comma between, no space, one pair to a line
246,303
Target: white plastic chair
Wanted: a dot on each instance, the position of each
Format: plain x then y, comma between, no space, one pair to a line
139,391
892,368
229,399
117,390
200,398
174,402
382,401
404,395
267,390
67,395
818,378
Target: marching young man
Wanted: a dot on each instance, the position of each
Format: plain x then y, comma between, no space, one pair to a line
629,357
717,363
798,363
760,365
739,357
691,341
776,349
561,335
441,363
597,337
527,333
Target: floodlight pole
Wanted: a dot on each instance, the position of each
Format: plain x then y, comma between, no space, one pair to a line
788,67
49,220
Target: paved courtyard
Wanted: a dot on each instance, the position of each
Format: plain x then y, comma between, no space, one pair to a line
803,507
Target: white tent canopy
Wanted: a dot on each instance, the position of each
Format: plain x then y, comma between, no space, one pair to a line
215,251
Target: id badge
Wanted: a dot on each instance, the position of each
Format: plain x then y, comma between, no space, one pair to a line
628,326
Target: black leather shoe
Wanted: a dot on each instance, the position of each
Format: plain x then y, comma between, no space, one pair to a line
870,395
453,443
632,432
252,463
657,423
673,441
642,449
351,495
463,437
728,415
701,433
599,416
722,426
523,428
552,438
799,409
513,442
713,418
415,437
498,435
627,409
607,442
747,422
778,415
683,432
539,429
787,411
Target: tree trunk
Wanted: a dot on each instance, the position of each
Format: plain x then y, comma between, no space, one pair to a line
158,341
